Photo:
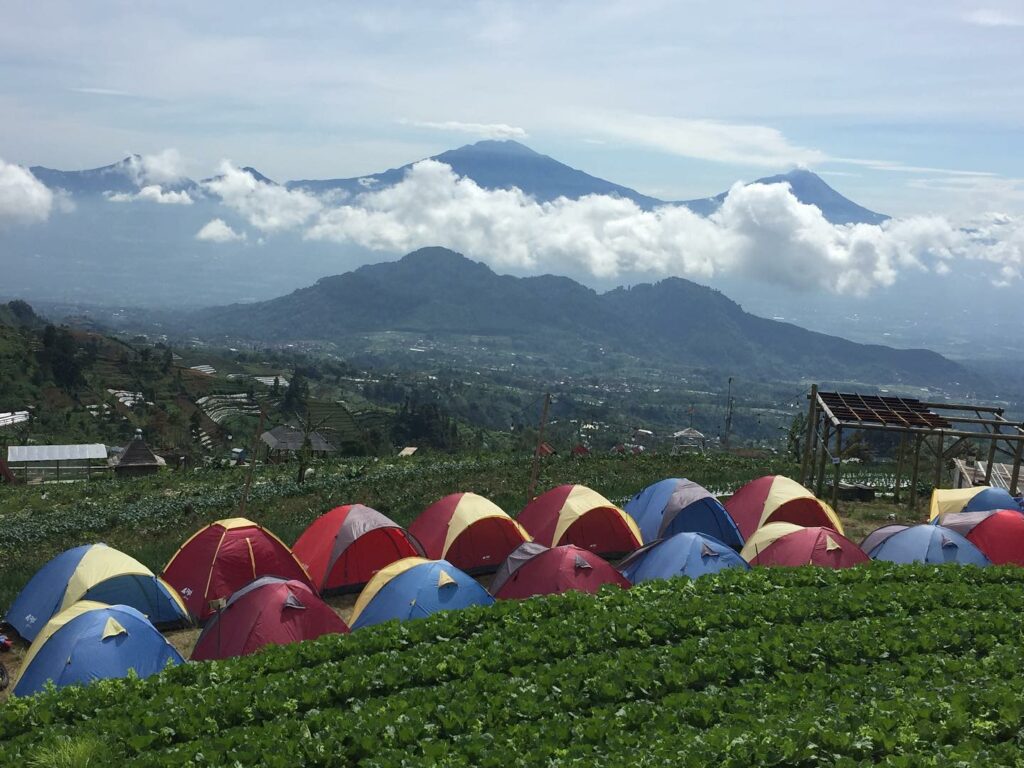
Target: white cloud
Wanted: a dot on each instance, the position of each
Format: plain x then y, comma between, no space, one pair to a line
152,193
268,207
23,198
487,130
165,167
100,91
989,17
219,231
709,140
761,231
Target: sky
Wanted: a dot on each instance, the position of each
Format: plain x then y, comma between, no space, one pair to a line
909,108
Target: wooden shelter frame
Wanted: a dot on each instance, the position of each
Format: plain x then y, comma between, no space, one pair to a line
920,425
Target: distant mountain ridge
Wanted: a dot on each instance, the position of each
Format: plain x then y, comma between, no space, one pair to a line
675,321
122,176
492,164
503,164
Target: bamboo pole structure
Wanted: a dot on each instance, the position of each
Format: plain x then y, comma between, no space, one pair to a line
812,417
913,475
899,469
1015,473
820,483
837,461
939,461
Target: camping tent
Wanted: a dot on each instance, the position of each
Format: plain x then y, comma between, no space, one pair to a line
789,545
468,531
553,571
414,588
343,548
685,554
93,572
676,504
777,499
93,641
928,544
269,611
222,558
998,534
879,535
575,514
979,498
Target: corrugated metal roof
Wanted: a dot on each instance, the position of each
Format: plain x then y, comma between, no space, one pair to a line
56,452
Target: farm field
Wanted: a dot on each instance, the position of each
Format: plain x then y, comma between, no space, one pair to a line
883,664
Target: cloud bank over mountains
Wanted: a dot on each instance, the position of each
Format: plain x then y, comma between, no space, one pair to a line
23,198
761,231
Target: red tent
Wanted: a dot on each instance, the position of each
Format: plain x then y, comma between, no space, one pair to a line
575,514
269,611
222,558
999,534
812,546
542,571
468,531
343,549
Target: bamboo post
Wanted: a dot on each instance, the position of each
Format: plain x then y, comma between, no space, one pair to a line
535,469
1015,472
837,461
914,472
991,455
820,482
899,469
939,461
812,417
812,461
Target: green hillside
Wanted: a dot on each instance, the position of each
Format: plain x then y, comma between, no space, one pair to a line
675,322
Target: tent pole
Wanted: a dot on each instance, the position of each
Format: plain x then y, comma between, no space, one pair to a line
837,460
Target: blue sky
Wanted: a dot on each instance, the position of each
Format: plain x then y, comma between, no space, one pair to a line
908,108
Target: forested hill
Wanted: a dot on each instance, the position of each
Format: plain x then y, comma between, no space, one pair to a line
675,321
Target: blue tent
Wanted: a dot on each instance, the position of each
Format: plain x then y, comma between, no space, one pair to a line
928,544
93,572
685,554
991,499
412,588
91,641
675,505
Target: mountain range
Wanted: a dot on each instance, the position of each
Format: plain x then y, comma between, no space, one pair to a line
492,164
673,322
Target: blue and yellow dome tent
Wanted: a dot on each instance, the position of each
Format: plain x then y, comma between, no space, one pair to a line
413,588
979,498
93,572
92,641
676,505
686,554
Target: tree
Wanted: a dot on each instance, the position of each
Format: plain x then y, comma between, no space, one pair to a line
297,394
795,436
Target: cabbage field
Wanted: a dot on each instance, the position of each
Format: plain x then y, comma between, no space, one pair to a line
890,665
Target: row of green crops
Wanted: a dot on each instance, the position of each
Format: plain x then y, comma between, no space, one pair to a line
896,665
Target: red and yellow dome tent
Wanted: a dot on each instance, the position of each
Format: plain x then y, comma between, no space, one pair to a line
777,499
469,531
575,514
